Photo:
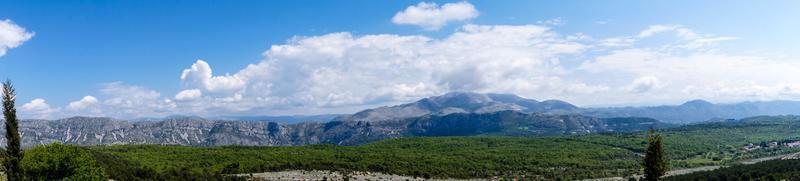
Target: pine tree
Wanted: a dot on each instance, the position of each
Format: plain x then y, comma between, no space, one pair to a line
655,165
14,155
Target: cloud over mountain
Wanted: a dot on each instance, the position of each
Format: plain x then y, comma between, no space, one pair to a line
344,72
38,108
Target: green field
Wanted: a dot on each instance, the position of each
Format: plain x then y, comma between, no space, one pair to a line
570,157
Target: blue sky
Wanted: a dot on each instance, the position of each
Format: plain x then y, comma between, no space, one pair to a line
129,56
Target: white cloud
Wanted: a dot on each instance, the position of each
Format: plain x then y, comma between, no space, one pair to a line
85,102
431,16
133,101
189,94
699,74
12,36
37,108
643,85
552,22
200,74
342,72
618,41
655,29
688,37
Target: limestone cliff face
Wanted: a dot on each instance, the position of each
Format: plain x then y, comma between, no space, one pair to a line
192,131
196,131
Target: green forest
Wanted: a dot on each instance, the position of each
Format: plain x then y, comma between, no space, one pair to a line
767,170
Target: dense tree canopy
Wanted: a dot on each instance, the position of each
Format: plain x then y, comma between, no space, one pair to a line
61,162
767,170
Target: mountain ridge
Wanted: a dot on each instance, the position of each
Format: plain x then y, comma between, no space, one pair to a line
452,114
692,111
203,132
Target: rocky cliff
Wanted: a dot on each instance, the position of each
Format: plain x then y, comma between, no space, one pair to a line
196,131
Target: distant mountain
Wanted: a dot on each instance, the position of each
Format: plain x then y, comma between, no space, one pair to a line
699,110
202,132
453,114
461,102
283,119
465,102
693,111
514,123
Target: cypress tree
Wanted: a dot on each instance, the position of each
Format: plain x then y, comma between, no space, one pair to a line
655,165
13,153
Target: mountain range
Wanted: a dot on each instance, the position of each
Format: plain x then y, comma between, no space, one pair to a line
700,110
465,102
202,132
452,114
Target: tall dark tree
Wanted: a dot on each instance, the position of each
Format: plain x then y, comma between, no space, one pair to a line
13,153
655,165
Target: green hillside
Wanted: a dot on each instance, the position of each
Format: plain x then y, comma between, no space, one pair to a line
573,157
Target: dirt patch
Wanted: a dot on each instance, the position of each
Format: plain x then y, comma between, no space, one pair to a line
297,175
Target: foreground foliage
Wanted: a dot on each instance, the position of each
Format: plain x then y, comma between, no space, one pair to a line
61,162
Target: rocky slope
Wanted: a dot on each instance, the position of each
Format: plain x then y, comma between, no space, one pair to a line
201,132
453,114
465,102
461,102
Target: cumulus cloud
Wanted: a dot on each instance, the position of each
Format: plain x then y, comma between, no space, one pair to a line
132,101
643,84
344,72
697,74
431,16
86,106
200,74
37,108
341,69
82,104
189,94
12,36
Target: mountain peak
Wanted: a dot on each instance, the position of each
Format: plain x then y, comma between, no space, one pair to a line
508,97
461,102
698,103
